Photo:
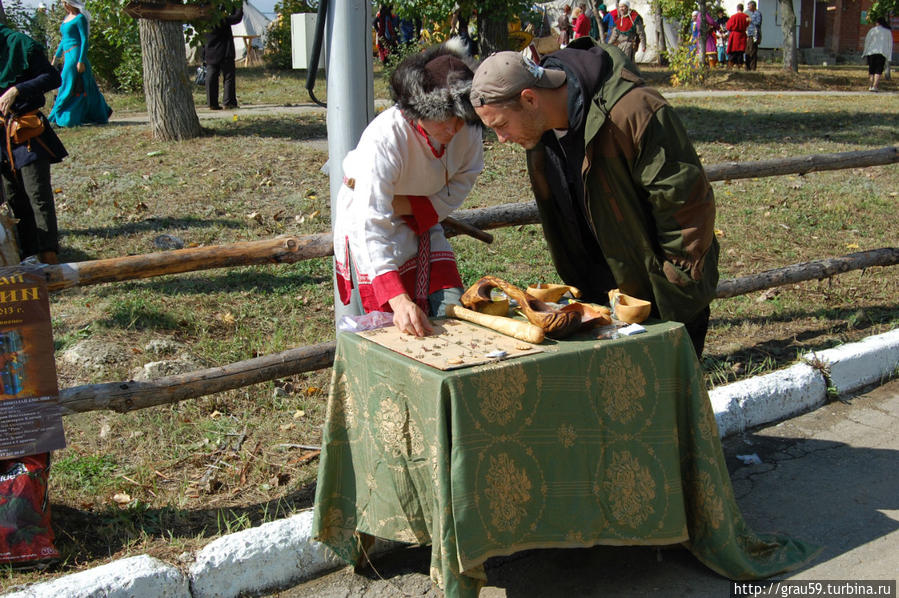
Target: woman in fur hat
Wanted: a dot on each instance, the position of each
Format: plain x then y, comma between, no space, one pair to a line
415,163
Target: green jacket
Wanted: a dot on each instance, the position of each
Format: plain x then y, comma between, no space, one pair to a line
623,197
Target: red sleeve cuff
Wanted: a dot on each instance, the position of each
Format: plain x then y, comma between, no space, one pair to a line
423,212
387,286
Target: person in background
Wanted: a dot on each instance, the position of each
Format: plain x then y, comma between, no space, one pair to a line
641,217
79,100
705,24
581,25
628,33
415,163
878,51
721,35
608,22
564,25
387,31
753,36
410,31
25,76
736,38
219,55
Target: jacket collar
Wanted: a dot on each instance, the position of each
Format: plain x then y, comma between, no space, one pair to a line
598,75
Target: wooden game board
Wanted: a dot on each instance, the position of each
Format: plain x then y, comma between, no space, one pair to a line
454,344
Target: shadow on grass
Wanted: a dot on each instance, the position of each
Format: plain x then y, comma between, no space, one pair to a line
778,353
284,126
289,277
114,529
856,128
163,225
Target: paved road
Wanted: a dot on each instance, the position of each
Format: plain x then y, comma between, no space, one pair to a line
829,477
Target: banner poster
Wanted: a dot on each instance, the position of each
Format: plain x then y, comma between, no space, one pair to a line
30,416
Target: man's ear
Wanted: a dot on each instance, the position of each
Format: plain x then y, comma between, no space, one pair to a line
529,98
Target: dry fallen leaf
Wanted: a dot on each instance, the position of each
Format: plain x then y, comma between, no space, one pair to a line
851,245
312,390
121,498
298,414
215,414
228,318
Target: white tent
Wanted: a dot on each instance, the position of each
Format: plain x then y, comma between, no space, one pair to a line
254,24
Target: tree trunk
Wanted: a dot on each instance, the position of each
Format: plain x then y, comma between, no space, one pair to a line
167,86
493,35
788,27
661,42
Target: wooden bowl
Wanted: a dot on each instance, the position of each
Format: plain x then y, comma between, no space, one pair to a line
495,307
551,293
629,309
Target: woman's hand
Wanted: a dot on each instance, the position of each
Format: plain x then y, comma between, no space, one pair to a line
80,67
408,317
401,205
7,99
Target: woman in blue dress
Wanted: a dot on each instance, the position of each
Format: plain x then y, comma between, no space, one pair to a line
79,100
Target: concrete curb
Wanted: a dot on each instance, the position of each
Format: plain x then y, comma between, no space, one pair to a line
138,576
281,553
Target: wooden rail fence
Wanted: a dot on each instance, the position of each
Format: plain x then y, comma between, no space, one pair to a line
130,395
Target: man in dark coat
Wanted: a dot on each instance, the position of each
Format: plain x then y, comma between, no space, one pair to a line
25,76
219,54
623,198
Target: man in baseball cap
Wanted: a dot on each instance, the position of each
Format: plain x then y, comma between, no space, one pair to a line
623,198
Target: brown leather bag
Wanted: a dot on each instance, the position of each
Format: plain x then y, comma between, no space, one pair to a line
23,127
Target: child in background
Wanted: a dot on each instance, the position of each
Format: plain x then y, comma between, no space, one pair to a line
721,46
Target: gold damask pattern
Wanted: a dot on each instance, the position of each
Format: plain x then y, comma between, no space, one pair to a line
630,488
624,386
508,492
499,393
567,435
707,507
398,431
489,459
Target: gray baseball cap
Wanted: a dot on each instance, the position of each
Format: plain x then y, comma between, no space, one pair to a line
504,75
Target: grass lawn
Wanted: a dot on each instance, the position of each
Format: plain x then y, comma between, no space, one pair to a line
221,463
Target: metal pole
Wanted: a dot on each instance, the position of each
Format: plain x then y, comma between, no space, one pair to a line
350,96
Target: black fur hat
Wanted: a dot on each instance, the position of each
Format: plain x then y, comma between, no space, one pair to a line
434,85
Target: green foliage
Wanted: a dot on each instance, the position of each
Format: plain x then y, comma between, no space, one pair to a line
114,50
16,15
277,44
687,67
397,57
883,8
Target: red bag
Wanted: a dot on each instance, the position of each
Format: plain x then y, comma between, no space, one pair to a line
26,536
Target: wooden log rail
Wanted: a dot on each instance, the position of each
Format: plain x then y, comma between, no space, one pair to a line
294,249
130,395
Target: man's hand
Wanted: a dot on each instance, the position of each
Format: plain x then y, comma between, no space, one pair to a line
408,317
7,99
80,67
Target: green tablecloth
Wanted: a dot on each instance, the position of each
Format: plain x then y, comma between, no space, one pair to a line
592,442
